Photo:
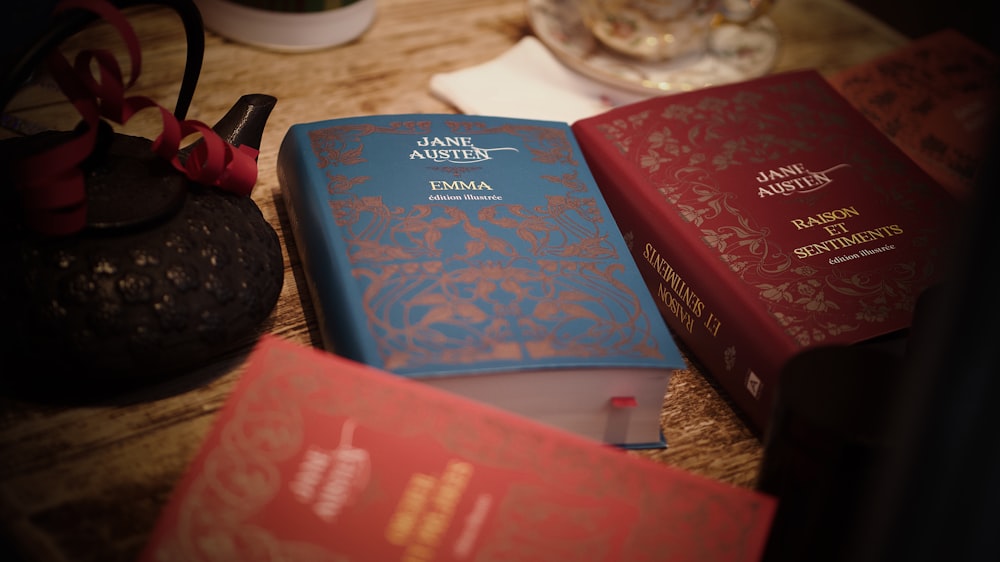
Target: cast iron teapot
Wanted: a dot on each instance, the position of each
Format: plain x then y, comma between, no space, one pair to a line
149,272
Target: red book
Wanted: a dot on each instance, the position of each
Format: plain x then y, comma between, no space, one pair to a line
316,457
936,98
768,216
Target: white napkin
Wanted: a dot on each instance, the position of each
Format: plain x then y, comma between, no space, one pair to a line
527,81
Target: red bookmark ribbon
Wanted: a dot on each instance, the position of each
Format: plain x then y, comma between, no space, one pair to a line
51,182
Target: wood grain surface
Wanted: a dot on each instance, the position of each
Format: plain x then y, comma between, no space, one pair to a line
85,480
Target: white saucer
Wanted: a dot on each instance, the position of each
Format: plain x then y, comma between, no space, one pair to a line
739,52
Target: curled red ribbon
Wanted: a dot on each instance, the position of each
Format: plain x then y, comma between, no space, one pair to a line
51,182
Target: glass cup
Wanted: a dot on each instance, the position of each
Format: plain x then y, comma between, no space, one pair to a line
663,30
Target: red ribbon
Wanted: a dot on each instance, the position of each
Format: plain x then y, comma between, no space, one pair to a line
51,182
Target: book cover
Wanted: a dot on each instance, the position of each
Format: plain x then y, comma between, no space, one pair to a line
768,216
477,255
936,98
317,457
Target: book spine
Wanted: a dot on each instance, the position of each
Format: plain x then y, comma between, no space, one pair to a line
323,253
691,288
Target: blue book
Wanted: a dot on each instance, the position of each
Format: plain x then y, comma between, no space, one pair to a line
476,254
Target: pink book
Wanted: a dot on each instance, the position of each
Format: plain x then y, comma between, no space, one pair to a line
316,457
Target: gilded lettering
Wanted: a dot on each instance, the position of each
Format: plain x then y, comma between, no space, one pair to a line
445,141
444,185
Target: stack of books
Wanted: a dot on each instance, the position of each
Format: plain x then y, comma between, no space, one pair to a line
499,300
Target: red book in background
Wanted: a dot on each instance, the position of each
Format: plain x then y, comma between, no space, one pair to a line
315,457
936,98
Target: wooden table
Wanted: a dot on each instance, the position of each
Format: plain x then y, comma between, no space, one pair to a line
86,482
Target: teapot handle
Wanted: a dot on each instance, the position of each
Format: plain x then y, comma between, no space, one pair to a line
69,23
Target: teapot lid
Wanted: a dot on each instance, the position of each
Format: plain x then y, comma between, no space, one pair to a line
130,186
127,184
